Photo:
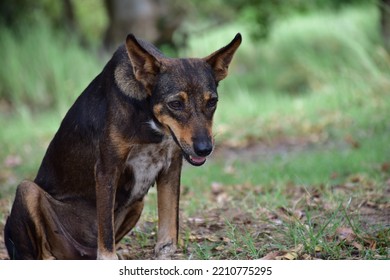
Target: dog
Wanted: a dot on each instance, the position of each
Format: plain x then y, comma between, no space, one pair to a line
128,130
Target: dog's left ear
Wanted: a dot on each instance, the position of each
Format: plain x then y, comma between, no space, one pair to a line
221,59
145,65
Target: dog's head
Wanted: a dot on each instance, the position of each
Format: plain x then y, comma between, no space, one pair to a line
183,94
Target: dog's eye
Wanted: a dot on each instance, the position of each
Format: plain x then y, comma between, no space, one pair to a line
212,102
176,105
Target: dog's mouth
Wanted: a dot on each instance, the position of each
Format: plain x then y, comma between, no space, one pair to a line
196,161
193,160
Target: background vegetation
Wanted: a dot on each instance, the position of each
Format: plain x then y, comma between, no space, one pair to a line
302,164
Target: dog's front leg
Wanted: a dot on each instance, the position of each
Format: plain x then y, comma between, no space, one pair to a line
106,181
168,193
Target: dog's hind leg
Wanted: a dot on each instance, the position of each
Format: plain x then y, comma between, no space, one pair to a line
124,223
34,231
24,232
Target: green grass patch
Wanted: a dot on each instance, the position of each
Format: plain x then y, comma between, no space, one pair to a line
44,69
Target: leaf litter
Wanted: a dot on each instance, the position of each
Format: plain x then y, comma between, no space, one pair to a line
305,228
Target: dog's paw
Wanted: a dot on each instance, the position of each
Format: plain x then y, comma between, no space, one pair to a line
164,251
106,256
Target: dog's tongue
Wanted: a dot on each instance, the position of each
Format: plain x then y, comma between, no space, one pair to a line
198,159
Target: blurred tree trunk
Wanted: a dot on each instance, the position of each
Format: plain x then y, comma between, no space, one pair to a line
384,7
69,16
152,20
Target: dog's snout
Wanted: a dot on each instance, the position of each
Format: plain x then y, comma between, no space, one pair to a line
203,147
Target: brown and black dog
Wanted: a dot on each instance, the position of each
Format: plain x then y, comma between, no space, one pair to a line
129,129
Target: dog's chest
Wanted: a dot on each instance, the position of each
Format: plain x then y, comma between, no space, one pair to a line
146,162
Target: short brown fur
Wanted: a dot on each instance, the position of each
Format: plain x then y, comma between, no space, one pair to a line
129,129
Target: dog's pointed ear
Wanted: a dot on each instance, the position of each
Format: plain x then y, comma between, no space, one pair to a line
221,59
145,65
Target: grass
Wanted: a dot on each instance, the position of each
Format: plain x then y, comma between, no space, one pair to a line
301,169
43,68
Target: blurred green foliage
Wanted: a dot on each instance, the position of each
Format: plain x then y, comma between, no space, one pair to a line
262,14
298,60
86,20
42,68
89,17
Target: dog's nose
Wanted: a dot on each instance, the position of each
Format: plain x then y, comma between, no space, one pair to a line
203,148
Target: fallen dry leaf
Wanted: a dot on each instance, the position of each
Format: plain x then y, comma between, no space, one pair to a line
225,239
213,238
220,248
197,221
216,188
298,249
346,233
272,255
357,245
291,215
223,198
289,256
292,254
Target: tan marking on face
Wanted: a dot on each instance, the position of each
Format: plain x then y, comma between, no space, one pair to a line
185,135
184,96
183,132
161,117
206,96
186,132
157,110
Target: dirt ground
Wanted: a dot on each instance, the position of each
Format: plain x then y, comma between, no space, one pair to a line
209,229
